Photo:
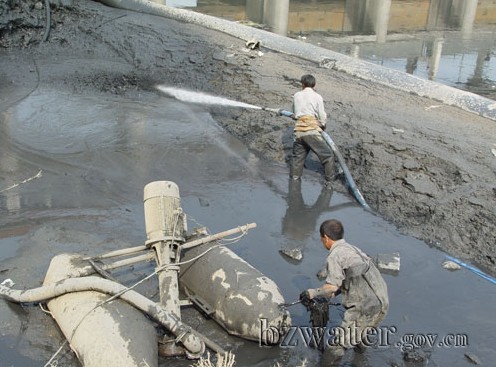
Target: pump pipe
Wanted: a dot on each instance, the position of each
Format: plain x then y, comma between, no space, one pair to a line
351,183
192,341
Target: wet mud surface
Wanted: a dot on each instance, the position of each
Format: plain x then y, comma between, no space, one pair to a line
83,130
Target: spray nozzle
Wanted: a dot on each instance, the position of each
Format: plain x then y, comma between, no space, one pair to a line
275,110
279,111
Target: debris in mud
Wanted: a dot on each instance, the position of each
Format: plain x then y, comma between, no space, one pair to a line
451,265
398,131
398,148
472,358
414,356
253,44
388,262
411,165
477,202
203,202
327,63
223,360
421,184
294,253
8,283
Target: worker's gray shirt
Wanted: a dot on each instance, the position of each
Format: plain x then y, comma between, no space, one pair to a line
309,102
361,284
341,257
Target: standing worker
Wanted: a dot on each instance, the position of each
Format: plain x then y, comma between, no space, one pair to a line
364,292
311,119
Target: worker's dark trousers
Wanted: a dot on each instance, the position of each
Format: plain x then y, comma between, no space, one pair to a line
302,145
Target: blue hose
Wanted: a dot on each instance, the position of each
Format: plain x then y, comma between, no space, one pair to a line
473,269
285,113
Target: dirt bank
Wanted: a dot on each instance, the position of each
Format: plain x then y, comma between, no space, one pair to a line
425,166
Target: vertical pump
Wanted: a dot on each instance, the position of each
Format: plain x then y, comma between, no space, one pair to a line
166,230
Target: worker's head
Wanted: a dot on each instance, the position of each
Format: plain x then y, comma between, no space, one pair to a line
331,231
307,80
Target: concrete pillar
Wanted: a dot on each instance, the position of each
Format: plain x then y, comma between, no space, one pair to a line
468,18
355,11
254,10
439,11
382,12
276,16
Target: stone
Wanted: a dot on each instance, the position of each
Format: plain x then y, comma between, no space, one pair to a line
421,184
293,253
389,263
472,358
451,265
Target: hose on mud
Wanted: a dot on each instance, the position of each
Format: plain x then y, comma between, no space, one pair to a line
472,269
351,183
48,21
192,341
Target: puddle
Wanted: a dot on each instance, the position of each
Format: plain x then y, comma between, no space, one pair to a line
448,41
90,200
8,248
10,355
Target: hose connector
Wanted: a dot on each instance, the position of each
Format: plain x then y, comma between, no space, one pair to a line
279,111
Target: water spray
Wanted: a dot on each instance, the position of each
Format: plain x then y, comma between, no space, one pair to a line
189,96
202,98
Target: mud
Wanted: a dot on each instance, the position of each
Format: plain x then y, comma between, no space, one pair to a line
423,166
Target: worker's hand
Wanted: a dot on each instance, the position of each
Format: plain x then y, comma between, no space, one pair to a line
312,292
305,298
308,295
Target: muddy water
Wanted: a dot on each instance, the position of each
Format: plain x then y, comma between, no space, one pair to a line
96,153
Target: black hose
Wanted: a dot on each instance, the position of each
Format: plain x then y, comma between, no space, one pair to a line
48,21
351,183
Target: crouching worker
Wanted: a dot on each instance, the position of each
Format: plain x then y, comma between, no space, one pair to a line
351,273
